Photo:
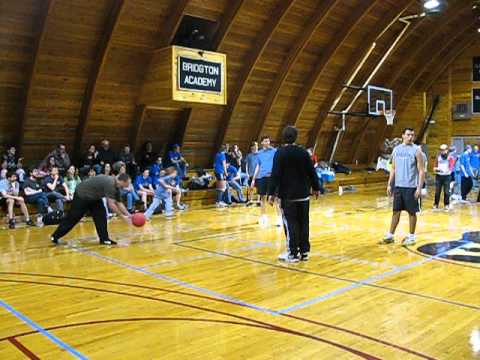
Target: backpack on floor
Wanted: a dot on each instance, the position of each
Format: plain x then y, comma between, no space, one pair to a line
53,218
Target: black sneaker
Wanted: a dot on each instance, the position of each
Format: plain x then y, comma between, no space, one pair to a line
11,224
304,257
30,222
54,240
108,242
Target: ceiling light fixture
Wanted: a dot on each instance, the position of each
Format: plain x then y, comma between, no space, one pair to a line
431,4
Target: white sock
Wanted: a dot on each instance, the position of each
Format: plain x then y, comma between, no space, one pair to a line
411,236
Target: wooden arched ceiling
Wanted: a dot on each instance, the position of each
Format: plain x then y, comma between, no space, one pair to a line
71,70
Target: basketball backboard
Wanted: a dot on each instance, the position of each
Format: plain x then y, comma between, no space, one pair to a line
380,100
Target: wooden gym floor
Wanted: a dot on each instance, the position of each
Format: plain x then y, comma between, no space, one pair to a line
207,285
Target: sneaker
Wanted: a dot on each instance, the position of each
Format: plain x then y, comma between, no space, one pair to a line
181,207
304,257
387,239
221,205
108,242
30,222
11,224
409,240
54,240
435,207
169,215
40,221
289,258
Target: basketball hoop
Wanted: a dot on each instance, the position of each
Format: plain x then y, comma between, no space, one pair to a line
389,116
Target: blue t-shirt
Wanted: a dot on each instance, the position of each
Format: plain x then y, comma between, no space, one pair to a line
169,180
265,160
155,170
140,180
218,164
252,162
232,172
475,159
174,156
465,162
4,187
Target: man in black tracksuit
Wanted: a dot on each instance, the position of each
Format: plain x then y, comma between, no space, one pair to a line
293,177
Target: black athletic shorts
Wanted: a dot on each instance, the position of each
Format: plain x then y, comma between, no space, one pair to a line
262,185
404,199
220,177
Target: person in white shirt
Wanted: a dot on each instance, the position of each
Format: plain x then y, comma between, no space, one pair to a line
9,194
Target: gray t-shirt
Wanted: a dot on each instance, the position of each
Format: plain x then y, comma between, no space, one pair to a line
405,162
98,187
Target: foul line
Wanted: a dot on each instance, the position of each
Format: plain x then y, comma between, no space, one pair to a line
368,281
41,330
175,281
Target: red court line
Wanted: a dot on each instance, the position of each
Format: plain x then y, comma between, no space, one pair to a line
333,327
22,347
172,302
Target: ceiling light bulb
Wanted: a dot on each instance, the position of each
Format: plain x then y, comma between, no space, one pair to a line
431,4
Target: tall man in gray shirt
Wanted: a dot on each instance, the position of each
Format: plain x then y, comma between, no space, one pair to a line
88,197
405,183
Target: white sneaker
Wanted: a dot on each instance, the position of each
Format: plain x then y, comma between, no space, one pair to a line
288,258
169,215
221,205
409,240
387,239
448,208
263,221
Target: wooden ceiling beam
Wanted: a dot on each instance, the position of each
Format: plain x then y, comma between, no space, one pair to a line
328,54
350,67
40,27
97,68
250,62
321,13
167,34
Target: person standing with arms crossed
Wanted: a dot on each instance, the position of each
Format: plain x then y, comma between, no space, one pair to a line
293,178
405,183
442,179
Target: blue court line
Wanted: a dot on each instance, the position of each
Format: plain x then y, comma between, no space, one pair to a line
175,281
367,281
41,330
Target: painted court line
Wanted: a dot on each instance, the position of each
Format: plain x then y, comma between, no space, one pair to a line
41,330
367,281
175,281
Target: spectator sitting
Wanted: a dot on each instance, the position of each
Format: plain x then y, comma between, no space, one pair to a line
107,169
144,187
177,160
147,156
128,193
11,158
3,170
62,160
91,173
156,169
72,180
233,178
177,191
56,189
90,161
128,159
9,194
20,172
34,193
47,166
105,154
164,194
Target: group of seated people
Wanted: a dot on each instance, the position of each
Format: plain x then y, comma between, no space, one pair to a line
52,183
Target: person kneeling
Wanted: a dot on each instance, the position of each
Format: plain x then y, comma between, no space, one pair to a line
163,193
9,189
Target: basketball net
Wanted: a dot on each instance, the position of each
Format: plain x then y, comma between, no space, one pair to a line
389,116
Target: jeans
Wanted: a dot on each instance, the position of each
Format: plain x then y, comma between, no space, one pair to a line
157,200
442,182
181,172
227,195
131,197
41,200
466,186
236,186
57,197
243,179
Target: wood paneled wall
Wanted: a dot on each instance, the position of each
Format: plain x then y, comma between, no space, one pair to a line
286,63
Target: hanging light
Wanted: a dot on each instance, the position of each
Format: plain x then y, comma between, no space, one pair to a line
431,4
